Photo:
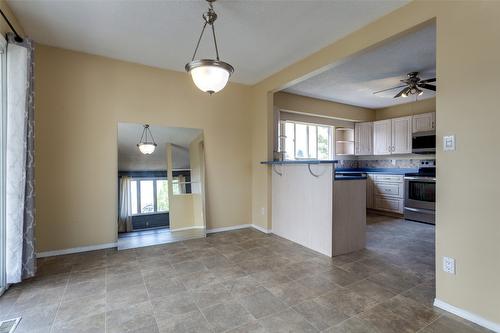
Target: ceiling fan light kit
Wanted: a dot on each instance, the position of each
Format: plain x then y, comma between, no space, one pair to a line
412,86
209,75
146,147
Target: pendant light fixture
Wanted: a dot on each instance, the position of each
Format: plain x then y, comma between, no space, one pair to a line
146,147
209,75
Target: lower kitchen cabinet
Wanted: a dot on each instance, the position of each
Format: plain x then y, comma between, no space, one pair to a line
385,193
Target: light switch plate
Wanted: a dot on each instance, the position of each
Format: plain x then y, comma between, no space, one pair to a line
449,143
449,265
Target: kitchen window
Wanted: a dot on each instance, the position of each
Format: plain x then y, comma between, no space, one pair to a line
305,141
149,196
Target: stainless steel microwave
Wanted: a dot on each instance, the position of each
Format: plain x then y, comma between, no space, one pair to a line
424,142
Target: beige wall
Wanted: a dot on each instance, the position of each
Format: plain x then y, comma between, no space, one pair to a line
80,99
4,28
468,67
197,166
321,108
409,109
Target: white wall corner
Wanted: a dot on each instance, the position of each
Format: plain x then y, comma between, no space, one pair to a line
76,250
233,227
264,230
495,327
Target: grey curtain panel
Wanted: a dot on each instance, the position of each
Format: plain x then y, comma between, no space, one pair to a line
21,256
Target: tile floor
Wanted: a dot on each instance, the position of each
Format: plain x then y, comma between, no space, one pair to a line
142,238
242,281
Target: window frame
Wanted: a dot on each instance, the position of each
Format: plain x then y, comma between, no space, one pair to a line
155,196
3,149
282,140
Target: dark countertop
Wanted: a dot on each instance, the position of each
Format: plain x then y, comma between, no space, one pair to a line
345,177
300,162
391,171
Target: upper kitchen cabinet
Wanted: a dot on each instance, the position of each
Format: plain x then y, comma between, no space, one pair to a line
392,136
401,135
382,137
424,122
363,138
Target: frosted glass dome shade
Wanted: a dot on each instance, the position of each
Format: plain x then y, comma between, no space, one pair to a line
147,148
209,76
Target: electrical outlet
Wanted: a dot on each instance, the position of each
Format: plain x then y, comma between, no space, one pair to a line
449,265
262,211
449,143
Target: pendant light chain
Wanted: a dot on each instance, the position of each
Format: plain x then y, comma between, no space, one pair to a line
209,75
209,18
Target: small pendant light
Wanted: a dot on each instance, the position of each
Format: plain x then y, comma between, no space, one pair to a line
209,75
146,147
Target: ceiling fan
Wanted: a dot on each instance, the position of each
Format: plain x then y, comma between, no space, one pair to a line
412,86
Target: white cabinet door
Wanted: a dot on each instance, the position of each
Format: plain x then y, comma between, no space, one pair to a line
382,137
401,135
363,138
424,122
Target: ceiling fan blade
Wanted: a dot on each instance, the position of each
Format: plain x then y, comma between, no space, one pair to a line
388,89
428,80
427,86
401,92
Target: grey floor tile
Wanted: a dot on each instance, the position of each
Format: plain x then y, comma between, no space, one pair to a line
226,316
372,290
134,318
93,288
262,304
243,286
172,305
251,327
81,307
210,295
288,321
289,293
91,324
190,322
346,301
319,315
119,298
352,325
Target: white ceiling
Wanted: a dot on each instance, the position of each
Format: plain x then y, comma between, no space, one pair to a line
354,81
131,159
258,37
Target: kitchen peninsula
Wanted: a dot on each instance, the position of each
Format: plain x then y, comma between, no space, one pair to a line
312,207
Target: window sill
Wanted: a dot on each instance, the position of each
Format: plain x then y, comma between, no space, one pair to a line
154,213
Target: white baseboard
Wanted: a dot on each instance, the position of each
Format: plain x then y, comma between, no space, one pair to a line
187,228
467,315
239,226
75,250
233,227
261,229
111,245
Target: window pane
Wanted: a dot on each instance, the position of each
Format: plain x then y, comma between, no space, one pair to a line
289,148
176,186
133,194
323,143
161,195
301,141
147,196
312,141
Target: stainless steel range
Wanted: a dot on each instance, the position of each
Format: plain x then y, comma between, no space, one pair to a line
420,194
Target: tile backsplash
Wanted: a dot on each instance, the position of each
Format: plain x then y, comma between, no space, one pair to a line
385,163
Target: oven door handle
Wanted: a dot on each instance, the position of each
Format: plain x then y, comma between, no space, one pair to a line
423,179
420,210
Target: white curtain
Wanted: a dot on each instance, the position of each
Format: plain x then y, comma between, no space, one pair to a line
125,216
17,77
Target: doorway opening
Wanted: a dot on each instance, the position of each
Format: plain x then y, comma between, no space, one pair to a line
160,188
